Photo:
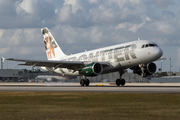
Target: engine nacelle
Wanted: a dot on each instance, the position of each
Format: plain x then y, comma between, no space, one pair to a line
149,69
92,69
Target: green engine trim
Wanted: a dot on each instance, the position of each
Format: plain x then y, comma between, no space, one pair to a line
92,69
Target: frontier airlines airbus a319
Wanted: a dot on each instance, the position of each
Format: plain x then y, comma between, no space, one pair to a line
136,55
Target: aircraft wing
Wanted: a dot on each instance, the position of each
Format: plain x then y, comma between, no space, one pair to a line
56,64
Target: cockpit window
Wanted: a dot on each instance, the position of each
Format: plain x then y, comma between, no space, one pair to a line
149,45
143,46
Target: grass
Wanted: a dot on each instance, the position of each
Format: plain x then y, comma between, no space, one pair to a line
90,106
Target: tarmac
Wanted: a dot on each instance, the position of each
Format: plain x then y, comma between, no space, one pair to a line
91,84
94,87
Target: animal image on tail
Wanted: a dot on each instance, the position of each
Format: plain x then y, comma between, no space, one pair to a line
49,43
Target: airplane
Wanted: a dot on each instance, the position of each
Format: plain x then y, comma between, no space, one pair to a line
137,55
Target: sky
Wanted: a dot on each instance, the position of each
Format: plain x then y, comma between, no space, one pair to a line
79,25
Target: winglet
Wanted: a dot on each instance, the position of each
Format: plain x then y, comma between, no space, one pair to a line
3,59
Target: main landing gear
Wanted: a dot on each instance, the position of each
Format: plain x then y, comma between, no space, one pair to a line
84,82
120,81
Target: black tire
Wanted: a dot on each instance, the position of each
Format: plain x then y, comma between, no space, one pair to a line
118,82
82,82
123,82
87,82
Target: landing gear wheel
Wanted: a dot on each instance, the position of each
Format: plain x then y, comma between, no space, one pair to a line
82,82
87,82
123,82
118,82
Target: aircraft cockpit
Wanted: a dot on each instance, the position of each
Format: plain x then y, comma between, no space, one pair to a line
149,45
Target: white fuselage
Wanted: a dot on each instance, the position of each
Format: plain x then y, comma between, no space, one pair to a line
121,56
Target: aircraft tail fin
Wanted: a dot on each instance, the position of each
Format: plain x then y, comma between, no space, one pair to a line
53,51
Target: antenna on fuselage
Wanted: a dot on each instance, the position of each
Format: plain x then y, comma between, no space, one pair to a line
138,39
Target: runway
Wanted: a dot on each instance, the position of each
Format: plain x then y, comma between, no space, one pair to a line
94,87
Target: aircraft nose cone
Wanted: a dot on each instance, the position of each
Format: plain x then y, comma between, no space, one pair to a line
158,52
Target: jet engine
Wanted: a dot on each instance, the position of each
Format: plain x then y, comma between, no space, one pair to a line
92,69
149,69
